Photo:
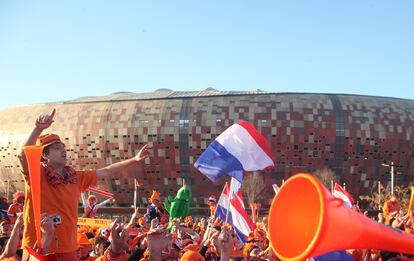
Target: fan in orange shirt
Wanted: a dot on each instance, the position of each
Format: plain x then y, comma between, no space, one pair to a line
61,186
391,208
17,206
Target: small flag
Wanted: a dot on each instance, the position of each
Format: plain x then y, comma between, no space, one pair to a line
237,216
341,193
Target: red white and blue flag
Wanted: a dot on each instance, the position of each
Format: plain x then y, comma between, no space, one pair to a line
232,198
239,148
341,193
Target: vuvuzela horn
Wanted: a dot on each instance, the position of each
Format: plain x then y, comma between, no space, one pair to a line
33,156
306,220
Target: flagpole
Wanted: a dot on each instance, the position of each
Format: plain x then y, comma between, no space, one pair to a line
8,189
135,193
228,208
332,186
228,202
379,195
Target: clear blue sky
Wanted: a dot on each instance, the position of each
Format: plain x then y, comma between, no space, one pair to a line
59,50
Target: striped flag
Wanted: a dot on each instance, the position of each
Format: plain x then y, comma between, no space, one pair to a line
239,148
341,193
232,198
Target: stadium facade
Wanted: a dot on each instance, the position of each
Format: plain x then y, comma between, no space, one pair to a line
351,134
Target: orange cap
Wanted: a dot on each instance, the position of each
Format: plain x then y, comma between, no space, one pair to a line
83,239
17,195
141,221
192,247
192,256
48,139
155,195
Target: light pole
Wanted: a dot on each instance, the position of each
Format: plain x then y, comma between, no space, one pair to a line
392,174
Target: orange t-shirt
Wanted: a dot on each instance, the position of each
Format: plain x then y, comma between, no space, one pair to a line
388,208
62,200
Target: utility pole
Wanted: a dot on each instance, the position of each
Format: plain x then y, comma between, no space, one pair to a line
392,174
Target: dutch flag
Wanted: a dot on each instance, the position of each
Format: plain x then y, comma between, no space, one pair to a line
237,217
239,148
341,193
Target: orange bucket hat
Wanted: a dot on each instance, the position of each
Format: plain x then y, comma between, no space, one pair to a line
155,195
192,256
48,139
18,195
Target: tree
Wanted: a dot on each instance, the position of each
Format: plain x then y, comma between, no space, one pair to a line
376,200
253,186
326,176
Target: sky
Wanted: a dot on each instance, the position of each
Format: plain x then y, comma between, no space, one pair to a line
62,50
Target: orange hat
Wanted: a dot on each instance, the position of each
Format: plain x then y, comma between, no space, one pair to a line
48,139
155,195
192,247
192,256
188,219
141,221
18,195
83,239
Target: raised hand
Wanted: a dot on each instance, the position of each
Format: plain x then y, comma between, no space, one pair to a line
19,220
44,121
142,154
118,237
134,217
224,242
46,223
157,238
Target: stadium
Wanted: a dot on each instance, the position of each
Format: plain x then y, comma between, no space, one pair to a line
353,135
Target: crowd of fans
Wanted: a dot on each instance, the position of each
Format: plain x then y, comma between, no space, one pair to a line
149,234
143,237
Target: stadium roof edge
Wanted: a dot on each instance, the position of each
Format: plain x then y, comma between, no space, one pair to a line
162,94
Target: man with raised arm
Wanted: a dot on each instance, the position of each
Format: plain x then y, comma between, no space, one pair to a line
61,186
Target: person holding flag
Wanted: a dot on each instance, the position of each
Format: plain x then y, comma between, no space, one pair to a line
239,148
230,208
